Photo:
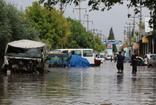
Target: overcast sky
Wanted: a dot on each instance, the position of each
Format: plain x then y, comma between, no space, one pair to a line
103,21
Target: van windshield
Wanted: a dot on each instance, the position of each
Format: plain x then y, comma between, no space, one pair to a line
22,52
56,51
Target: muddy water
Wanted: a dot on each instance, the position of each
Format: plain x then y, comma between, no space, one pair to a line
80,86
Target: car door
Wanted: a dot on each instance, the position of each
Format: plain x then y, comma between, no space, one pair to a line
154,61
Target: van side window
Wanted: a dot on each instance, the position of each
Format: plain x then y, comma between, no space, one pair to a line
87,53
66,51
76,52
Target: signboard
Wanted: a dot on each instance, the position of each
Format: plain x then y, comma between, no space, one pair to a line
135,46
147,25
109,46
145,40
109,51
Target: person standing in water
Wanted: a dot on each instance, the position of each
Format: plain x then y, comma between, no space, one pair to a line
120,60
134,62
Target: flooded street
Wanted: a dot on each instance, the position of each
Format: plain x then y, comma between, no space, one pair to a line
80,86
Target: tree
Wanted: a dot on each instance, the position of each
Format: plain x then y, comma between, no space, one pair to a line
13,26
50,23
98,44
79,37
111,37
107,5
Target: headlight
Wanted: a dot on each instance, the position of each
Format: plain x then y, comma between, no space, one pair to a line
39,60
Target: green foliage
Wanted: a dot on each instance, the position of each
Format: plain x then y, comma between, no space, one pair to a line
111,34
13,26
136,33
107,5
98,44
111,37
80,38
142,25
50,23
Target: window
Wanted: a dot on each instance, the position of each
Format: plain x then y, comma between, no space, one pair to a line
76,52
151,56
87,53
154,58
23,52
65,51
56,51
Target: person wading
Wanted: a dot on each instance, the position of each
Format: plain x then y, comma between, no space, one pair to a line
134,62
120,60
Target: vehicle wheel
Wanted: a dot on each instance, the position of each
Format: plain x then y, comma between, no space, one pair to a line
141,63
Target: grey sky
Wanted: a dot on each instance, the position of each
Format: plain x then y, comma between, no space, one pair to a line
116,17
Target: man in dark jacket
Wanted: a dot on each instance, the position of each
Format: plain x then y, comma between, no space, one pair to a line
134,62
120,60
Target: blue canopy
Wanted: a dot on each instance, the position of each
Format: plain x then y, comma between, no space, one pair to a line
112,42
77,61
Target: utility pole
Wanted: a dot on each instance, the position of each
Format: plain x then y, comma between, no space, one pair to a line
93,30
128,33
134,22
80,10
61,6
124,36
87,21
140,18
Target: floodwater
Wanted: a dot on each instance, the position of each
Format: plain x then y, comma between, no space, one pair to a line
80,86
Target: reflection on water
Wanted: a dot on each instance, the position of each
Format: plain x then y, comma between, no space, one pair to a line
80,86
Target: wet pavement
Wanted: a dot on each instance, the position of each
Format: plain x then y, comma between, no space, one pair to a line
80,86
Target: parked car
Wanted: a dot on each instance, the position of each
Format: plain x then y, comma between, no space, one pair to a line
25,55
141,62
101,57
152,62
109,57
147,58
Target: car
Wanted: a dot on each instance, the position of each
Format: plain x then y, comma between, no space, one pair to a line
101,57
152,62
147,57
141,62
109,57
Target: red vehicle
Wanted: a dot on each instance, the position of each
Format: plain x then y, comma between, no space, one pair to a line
97,62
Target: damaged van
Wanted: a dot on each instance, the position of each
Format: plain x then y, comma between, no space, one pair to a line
25,55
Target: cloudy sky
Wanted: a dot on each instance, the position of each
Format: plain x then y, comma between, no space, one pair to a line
102,21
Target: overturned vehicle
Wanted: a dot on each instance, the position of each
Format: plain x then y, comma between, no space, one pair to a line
25,55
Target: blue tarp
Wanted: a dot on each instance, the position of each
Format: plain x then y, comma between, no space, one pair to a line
77,61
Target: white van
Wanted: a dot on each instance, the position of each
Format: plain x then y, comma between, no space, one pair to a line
85,53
